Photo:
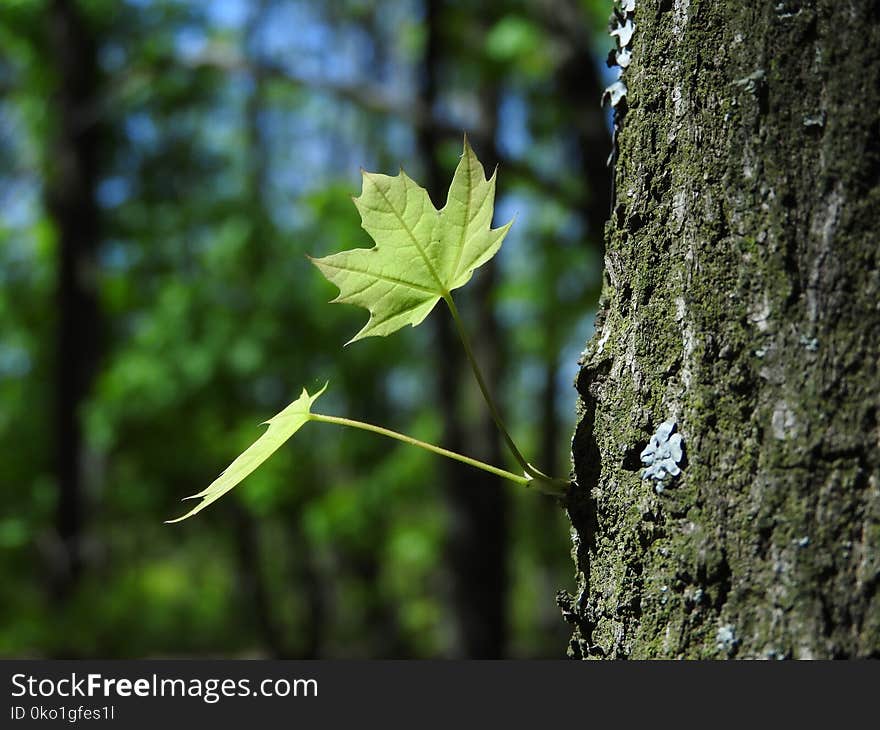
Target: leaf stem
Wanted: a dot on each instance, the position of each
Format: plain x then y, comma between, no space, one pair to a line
547,484
421,444
478,374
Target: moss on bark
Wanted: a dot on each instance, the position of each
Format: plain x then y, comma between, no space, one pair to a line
742,298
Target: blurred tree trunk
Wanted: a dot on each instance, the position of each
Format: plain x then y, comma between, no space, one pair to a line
741,300
484,500
476,551
252,579
70,195
252,582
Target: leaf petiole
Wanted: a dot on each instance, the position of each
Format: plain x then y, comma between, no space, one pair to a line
551,484
484,389
421,444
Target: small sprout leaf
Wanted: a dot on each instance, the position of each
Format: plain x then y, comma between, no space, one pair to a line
281,427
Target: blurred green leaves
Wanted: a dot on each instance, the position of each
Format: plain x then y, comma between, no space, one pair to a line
212,316
517,39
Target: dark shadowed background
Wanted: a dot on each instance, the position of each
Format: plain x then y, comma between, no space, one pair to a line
165,167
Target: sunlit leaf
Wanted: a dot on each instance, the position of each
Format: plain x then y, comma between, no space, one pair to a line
421,254
281,428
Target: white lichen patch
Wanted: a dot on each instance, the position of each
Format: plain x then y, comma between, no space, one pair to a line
751,82
783,422
662,455
725,638
760,314
624,33
824,228
784,12
606,333
810,344
687,341
622,29
678,106
679,207
680,16
615,93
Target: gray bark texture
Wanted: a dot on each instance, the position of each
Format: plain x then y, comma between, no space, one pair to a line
742,300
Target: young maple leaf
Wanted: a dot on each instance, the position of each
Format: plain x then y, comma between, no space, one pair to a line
281,427
421,254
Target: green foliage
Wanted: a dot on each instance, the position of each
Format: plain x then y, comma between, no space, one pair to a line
211,317
515,39
421,254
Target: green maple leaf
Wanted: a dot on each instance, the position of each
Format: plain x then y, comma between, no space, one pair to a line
281,427
421,254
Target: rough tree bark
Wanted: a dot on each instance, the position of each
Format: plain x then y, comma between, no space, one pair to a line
741,299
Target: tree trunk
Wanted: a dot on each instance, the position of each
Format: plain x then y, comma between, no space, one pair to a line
741,300
70,196
476,548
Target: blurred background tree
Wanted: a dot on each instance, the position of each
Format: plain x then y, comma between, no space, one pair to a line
166,166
